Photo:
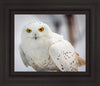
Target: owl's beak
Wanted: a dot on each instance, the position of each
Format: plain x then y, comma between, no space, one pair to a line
35,36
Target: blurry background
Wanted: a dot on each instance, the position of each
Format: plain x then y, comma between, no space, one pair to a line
72,27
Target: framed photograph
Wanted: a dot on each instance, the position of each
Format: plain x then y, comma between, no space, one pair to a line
60,25
56,44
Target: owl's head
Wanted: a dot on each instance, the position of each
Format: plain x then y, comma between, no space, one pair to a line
36,30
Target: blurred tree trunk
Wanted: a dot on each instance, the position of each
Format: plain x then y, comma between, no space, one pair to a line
71,27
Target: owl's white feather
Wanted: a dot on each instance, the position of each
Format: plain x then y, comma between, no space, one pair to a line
63,55
46,50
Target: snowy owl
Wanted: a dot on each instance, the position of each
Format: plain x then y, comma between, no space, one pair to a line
46,51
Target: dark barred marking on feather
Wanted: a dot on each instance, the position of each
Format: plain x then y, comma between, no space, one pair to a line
62,68
61,65
65,53
68,56
57,58
65,57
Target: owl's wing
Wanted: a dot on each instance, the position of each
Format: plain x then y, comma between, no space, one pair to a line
23,56
63,55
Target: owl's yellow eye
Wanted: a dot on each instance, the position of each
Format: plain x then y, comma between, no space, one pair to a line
29,30
41,29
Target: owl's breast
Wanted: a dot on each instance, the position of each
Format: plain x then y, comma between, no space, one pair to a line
38,55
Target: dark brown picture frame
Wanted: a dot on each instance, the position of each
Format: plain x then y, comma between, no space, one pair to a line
10,78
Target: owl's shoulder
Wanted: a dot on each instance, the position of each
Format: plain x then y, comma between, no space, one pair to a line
55,38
